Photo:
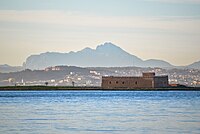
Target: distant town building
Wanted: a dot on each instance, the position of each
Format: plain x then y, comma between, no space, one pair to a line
56,68
148,80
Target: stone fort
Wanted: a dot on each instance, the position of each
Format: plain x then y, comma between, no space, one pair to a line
147,80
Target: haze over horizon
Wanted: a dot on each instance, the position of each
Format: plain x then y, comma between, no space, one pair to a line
150,29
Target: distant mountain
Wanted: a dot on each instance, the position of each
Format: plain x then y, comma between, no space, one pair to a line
6,68
195,65
157,63
105,55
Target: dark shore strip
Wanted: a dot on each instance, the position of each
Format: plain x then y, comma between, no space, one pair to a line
50,88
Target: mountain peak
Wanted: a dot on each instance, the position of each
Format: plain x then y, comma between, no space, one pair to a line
108,47
87,49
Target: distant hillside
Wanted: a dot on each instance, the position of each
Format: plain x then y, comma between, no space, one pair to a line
30,75
195,65
157,63
106,55
6,68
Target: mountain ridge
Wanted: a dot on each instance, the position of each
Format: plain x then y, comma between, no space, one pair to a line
105,55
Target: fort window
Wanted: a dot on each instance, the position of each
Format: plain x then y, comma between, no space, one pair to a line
136,83
110,82
116,82
123,82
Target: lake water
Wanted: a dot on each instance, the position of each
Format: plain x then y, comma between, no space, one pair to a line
96,112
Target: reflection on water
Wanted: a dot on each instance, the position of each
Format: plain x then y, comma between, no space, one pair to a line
99,112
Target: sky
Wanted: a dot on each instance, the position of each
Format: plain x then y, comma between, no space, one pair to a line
150,29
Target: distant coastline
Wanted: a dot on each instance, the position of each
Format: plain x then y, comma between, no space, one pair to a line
65,88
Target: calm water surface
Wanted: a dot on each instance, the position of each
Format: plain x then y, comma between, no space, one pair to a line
56,112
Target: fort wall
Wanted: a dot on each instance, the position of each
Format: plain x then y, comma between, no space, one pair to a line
148,80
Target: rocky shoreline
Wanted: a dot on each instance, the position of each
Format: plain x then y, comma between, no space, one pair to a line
48,88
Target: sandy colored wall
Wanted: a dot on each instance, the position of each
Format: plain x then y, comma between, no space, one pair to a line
134,82
126,82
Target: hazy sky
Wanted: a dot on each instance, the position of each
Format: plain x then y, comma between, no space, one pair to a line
158,29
